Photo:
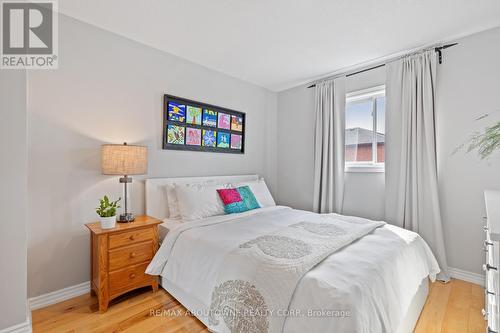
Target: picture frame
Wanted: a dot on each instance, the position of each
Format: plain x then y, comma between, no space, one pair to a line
202,124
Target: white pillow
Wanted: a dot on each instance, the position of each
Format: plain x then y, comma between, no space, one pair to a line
260,191
197,201
173,203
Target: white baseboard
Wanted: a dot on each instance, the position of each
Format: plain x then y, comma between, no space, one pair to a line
58,296
466,276
19,328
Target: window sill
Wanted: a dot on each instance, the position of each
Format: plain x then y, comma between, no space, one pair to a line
364,169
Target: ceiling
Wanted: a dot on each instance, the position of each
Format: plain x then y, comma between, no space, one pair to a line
278,44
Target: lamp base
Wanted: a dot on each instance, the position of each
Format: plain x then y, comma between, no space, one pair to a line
126,217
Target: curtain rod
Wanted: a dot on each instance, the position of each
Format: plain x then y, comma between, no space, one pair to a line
436,49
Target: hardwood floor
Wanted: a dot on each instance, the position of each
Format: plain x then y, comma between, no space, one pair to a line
453,307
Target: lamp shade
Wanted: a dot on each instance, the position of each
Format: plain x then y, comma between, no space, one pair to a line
124,159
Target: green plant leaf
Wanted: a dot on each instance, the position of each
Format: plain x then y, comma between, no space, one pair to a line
485,142
106,207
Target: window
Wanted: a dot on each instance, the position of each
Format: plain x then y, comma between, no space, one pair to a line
365,130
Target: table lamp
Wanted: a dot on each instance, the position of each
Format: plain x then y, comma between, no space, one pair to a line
124,160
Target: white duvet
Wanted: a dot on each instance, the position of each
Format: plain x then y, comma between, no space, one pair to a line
366,286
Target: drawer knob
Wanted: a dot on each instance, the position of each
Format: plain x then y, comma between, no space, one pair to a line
132,276
489,292
487,267
486,243
131,237
132,255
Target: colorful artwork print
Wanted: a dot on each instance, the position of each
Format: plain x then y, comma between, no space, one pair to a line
209,118
193,115
223,140
176,111
193,136
224,121
196,126
175,134
237,123
235,141
209,138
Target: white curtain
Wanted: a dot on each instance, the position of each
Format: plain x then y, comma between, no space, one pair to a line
412,200
329,146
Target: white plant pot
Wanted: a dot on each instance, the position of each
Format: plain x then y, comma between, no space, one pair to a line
108,222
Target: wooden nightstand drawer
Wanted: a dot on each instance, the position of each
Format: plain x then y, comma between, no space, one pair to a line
128,278
130,237
129,255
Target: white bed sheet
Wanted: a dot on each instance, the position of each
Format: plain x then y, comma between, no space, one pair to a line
373,279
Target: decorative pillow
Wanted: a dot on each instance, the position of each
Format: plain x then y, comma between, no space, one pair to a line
260,191
238,200
229,196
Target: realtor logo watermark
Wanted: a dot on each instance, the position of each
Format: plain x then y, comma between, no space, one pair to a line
29,35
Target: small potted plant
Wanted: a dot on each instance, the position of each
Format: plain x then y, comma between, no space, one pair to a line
107,212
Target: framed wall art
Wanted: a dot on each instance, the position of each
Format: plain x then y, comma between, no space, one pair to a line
196,126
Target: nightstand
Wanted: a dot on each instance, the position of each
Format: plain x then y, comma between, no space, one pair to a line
119,257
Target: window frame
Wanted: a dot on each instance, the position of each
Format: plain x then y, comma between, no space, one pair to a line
359,95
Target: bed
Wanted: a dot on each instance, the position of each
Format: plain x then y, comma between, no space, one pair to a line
375,282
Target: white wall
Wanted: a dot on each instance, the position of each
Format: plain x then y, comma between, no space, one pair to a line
468,86
13,197
364,192
295,147
110,89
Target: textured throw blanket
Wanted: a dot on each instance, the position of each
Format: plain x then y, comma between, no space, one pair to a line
254,297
